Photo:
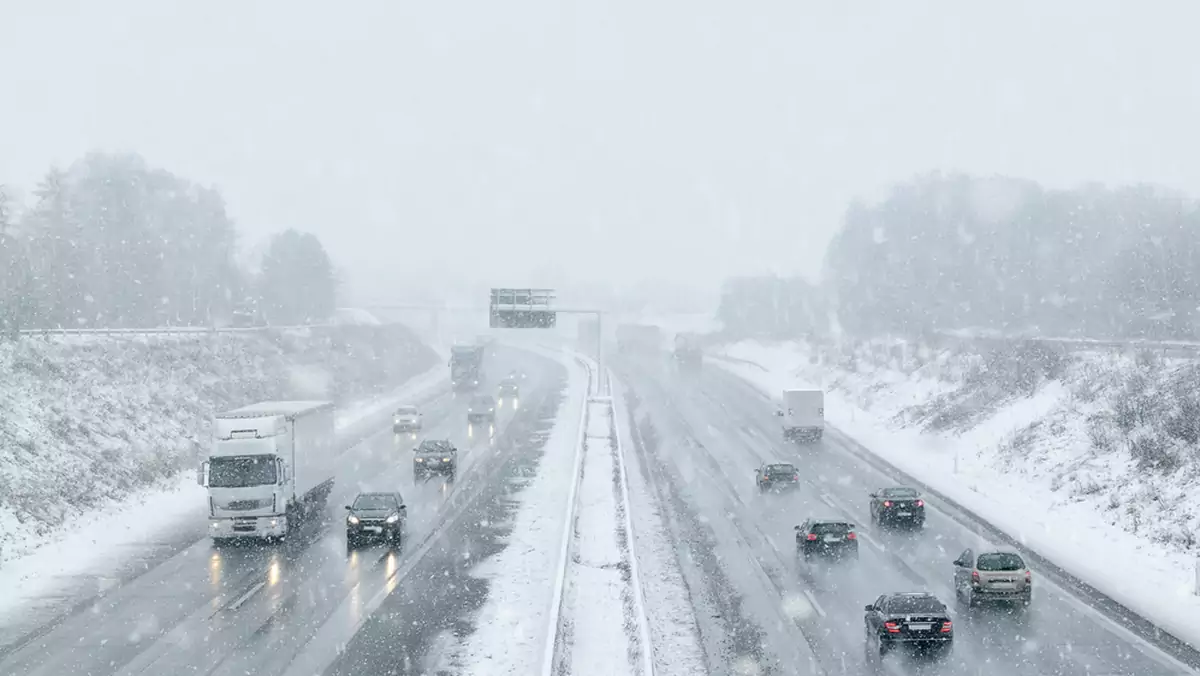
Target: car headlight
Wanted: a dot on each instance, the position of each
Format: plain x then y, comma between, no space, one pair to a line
420,459
352,519
492,409
214,525
393,518
446,459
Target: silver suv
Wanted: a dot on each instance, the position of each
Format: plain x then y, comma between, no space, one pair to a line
994,575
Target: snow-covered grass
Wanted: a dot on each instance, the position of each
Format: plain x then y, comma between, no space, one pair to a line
1088,459
511,628
88,422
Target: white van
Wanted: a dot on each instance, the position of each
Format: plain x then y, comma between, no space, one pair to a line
803,415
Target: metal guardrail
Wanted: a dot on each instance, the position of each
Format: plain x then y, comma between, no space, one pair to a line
177,330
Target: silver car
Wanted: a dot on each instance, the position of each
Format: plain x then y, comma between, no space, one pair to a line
994,575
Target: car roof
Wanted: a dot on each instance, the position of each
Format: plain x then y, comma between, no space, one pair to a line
899,489
375,494
830,522
406,407
435,443
915,600
780,464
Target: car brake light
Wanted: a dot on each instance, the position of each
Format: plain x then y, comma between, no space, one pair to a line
887,503
892,627
946,627
795,477
812,536
975,577
920,503
851,536
1028,577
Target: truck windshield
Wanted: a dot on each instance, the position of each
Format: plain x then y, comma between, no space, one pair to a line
242,471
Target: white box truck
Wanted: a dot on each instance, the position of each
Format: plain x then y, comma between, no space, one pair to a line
271,464
803,415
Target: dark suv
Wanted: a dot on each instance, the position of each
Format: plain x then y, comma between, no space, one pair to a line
435,456
835,539
380,515
913,619
898,506
776,475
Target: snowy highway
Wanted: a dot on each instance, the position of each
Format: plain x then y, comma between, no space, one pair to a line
699,437
311,605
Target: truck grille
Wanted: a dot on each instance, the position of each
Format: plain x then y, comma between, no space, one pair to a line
243,524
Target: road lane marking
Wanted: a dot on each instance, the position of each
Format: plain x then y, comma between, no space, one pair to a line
246,597
813,600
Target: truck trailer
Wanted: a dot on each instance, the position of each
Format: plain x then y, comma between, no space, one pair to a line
803,415
466,366
271,465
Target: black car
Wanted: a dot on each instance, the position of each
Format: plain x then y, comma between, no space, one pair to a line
435,456
376,515
898,506
913,619
776,475
835,539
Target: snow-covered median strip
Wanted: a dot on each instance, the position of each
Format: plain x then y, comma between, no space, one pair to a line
1146,577
511,636
602,629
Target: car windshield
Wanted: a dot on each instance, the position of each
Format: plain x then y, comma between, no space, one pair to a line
481,402
242,471
899,493
913,604
374,501
406,410
433,447
824,528
999,561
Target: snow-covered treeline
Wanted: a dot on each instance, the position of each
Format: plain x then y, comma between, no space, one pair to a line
111,241
88,420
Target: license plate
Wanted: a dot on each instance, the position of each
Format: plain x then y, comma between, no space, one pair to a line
374,529
903,513
833,538
920,627
1002,585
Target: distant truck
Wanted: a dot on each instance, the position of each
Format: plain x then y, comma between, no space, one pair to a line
639,338
271,465
688,355
803,415
466,366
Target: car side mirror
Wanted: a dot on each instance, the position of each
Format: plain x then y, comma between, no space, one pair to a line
796,528
959,562
869,608
348,507
403,508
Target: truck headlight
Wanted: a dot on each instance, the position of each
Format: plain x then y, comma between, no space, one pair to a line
419,459
446,459
352,519
214,525
393,518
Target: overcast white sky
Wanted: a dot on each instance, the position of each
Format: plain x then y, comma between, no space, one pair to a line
613,139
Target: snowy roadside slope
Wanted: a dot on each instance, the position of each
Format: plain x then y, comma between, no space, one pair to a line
89,422
1027,465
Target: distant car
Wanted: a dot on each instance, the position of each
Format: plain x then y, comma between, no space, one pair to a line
406,419
915,620
482,407
776,475
994,575
834,539
435,456
898,506
376,515
509,389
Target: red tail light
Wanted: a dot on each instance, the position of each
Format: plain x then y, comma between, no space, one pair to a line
920,503
1028,577
946,628
974,577
795,477
892,627
812,536
887,503
851,536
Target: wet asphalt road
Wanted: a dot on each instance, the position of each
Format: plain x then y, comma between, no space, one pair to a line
293,607
699,438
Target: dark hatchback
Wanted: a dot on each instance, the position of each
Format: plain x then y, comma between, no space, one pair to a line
776,475
899,506
376,515
915,620
834,539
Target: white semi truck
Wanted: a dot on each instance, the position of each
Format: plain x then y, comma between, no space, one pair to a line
271,465
803,415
